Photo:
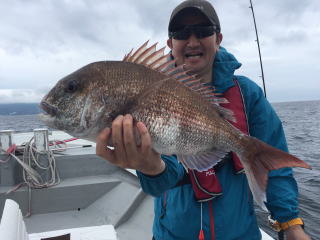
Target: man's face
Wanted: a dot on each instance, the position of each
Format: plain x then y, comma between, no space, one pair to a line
197,54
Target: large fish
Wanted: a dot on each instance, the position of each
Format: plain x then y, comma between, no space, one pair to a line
182,114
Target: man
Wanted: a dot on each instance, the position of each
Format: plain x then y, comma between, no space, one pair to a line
182,209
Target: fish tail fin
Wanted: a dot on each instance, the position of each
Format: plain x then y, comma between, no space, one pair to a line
258,159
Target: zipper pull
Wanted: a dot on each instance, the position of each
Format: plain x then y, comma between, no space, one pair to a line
201,235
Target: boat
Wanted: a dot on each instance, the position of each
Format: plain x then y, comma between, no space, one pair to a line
87,191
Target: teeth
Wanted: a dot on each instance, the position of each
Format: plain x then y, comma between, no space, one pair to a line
194,55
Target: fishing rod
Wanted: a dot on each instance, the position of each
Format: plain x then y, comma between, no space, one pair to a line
257,40
280,233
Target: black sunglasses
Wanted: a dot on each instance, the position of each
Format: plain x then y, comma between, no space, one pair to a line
199,31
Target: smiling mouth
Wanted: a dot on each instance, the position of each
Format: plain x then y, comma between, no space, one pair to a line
49,109
193,55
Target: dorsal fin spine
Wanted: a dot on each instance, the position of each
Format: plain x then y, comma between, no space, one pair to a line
201,88
182,80
179,74
146,53
153,55
127,56
174,71
207,91
189,83
163,66
159,62
137,52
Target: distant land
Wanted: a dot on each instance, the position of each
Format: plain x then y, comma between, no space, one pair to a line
19,108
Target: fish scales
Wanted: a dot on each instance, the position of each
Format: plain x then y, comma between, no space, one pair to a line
184,115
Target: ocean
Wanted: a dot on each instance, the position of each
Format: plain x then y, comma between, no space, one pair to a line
301,122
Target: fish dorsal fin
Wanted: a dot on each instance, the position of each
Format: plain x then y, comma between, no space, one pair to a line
158,61
149,57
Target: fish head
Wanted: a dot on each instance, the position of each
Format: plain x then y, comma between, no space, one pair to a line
78,103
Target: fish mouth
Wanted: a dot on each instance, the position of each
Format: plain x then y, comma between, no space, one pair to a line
48,108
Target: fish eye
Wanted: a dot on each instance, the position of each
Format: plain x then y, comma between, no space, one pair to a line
71,87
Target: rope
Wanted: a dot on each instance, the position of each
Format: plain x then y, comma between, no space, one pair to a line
6,160
31,158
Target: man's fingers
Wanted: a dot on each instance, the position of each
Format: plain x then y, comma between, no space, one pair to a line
117,138
101,145
103,135
128,136
101,141
145,137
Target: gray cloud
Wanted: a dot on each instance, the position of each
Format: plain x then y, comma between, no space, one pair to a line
291,37
44,25
154,15
42,41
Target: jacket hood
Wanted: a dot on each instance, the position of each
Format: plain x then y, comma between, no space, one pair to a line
224,66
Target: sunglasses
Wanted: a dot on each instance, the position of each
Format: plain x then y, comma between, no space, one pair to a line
199,31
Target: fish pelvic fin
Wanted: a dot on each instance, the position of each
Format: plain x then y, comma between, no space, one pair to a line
203,161
258,159
163,63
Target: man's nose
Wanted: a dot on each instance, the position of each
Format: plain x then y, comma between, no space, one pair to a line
193,41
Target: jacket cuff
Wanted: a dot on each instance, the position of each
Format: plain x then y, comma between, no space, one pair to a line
156,185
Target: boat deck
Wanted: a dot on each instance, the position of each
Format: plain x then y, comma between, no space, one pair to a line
92,192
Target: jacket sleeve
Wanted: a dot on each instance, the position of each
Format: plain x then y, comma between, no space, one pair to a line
264,124
156,185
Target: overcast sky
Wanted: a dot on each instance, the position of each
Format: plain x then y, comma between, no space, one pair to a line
41,41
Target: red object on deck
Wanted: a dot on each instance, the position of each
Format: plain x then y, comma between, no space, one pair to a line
12,148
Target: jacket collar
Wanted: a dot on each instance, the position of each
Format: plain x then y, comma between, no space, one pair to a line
224,66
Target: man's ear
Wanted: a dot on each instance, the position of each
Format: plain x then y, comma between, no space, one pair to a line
219,38
169,43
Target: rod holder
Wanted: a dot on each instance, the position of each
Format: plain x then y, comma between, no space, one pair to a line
6,139
9,176
41,139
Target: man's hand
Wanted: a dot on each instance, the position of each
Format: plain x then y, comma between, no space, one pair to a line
126,152
296,233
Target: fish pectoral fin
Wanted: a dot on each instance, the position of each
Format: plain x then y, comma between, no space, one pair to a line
203,161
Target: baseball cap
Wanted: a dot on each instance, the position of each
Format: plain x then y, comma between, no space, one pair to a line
203,6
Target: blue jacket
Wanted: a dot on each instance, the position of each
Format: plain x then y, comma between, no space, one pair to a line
234,216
